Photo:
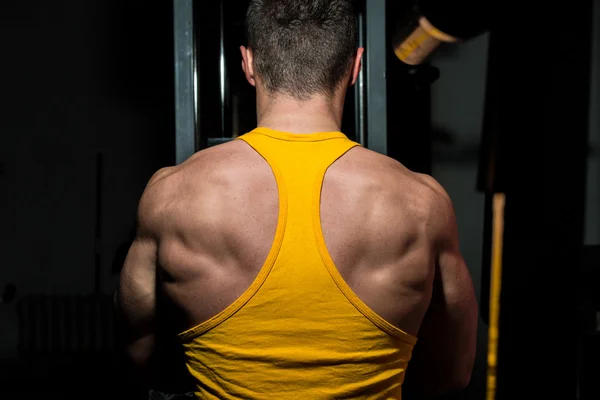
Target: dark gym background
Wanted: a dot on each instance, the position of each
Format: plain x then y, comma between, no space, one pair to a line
88,115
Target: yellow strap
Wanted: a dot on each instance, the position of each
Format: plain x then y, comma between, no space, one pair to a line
495,287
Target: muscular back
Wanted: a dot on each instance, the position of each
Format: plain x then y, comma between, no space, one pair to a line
207,226
215,218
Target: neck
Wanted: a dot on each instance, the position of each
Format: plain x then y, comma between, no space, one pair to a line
283,113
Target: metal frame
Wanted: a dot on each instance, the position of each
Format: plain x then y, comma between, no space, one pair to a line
371,92
359,88
186,93
376,52
222,66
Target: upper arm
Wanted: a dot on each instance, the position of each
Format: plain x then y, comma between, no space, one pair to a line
453,301
452,284
448,334
136,295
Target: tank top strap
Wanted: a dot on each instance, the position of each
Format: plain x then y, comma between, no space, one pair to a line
294,153
299,161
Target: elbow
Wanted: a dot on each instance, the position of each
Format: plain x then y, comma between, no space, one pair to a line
462,376
462,380
452,383
141,351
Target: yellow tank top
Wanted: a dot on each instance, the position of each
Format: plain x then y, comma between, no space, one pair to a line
298,332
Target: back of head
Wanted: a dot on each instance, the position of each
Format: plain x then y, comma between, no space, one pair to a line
301,48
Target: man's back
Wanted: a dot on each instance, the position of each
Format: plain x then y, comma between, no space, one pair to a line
299,265
219,213
218,218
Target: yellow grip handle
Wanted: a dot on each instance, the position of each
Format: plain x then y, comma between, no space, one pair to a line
495,288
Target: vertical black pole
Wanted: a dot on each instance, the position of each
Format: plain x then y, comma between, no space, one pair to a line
408,94
98,233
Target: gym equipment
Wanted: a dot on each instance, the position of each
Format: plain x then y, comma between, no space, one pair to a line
429,23
199,84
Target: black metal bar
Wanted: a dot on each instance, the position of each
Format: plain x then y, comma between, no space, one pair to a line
360,112
409,136
185,80
376,78
98,222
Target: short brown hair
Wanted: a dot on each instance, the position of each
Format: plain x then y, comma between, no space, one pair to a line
301,47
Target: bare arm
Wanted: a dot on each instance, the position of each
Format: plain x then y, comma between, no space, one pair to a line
444,356
135,299
136,302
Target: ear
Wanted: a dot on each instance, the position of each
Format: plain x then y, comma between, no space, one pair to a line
356,65
247,66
